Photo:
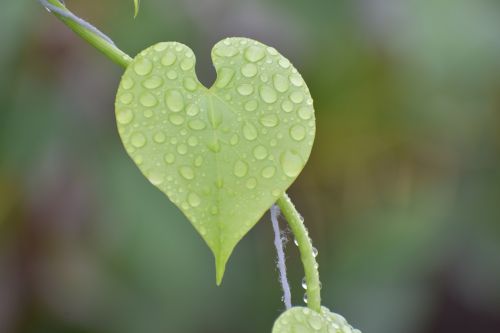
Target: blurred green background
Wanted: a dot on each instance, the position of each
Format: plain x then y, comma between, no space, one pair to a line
401,194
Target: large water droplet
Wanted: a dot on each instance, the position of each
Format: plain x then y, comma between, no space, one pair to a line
268,172
193,199
174,100
254,53
187,64
156,177
190,84
270,120
169,158
268,94
126,98
159,137
127,83
172,75
138,140
315,322
280,83
287,106
315,252
240,169
272,51
192,110
124,116
160,47
298,132
251,105
196,124
296,80
283,62
260,152
198,161
297,97
143,67
168,59
187,172
153,82
226,51
192,141
224,76
245,89
305,112
176,119
249,131
249,70
291,163
148,100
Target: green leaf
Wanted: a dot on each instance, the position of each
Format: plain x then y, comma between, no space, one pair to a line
136,7
305,320
223,155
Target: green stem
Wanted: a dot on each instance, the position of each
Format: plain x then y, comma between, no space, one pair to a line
104,46
306,251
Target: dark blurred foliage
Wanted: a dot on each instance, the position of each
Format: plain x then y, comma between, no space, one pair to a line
401,194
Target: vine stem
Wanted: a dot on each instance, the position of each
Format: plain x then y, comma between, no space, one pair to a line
306,251
95,38
91,35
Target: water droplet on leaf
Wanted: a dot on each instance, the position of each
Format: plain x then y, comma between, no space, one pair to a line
193,199
249,131
280,83
143,67
240,169
138,140
298,132
224,76
254,53
174,100
260,152
268,94
148,100
291,163
168,59
269,120
186,172
249,70
125,116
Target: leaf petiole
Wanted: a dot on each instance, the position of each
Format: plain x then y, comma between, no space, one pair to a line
306,251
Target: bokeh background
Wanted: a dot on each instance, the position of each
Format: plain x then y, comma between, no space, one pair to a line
401,194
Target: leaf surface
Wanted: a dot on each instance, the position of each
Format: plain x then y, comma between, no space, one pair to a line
223,155
305,320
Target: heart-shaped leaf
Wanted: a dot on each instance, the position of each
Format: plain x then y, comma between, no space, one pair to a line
223,155
305,320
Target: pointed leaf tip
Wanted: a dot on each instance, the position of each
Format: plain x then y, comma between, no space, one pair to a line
220,268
